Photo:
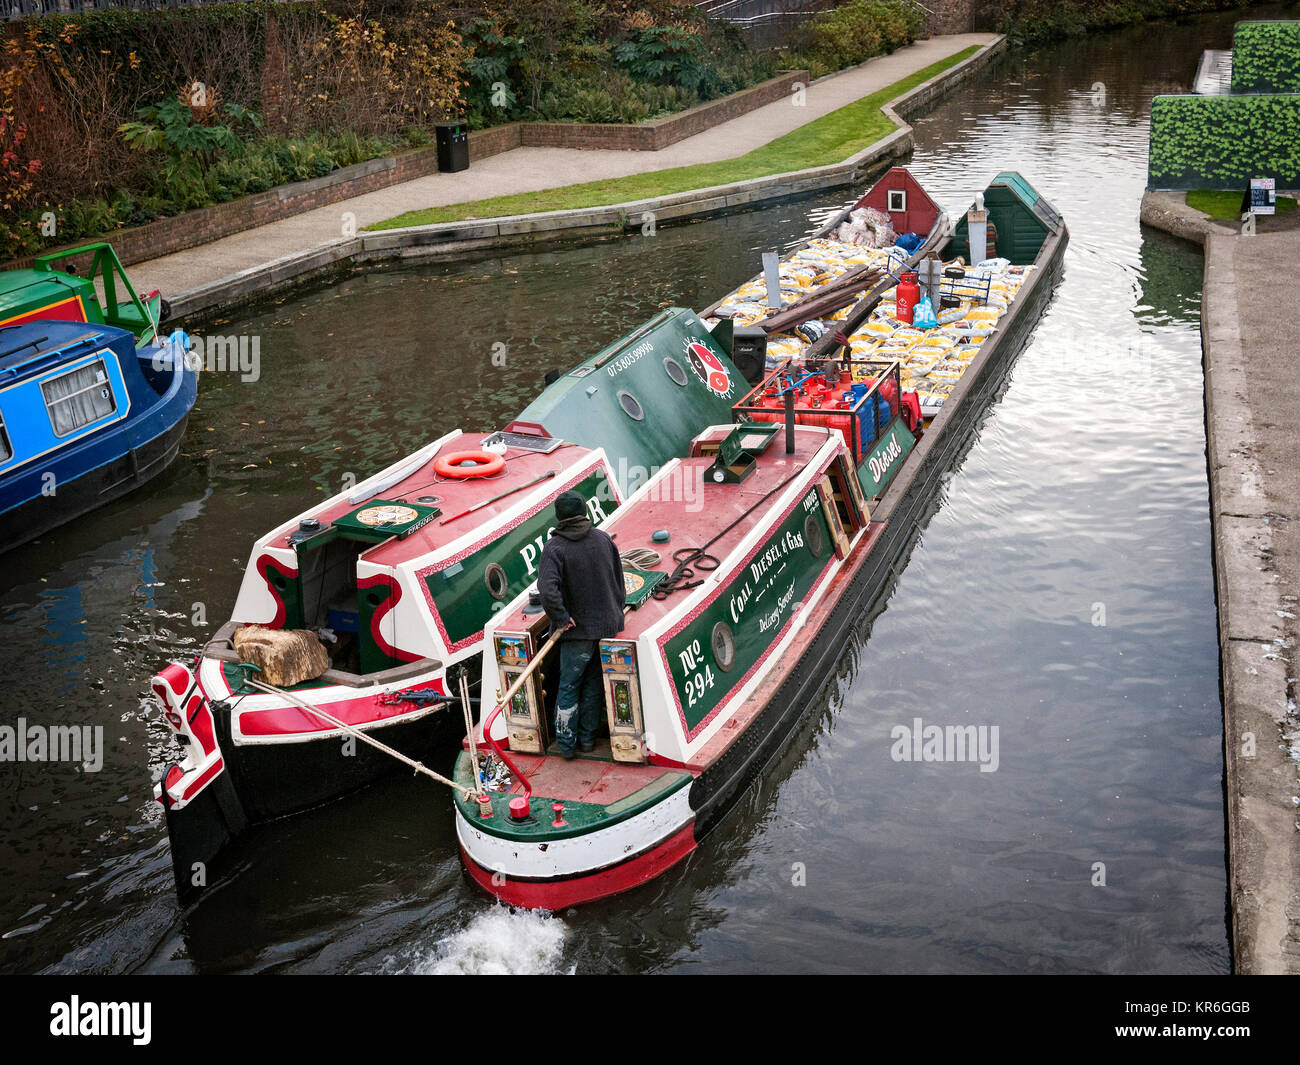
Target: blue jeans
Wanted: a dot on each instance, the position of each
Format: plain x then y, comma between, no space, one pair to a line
580,701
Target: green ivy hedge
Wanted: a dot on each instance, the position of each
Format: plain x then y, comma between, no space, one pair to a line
1266,57
1221,142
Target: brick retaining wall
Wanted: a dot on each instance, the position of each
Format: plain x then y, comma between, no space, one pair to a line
951,16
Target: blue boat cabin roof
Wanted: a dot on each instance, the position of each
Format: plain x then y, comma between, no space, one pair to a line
37,346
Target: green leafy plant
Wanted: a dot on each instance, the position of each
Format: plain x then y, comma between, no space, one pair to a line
189,146
666,55
494,68
852,34
1037,21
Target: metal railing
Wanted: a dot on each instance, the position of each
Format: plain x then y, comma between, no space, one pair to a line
752,12
859,396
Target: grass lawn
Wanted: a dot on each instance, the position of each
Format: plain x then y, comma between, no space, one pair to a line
1226,206
829,139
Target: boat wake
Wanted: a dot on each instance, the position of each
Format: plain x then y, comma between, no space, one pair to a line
498,942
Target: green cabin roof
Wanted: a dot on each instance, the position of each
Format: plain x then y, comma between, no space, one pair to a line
44,288
643,397
21,290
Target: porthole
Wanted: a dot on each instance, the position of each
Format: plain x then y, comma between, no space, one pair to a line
813,537
724,646
631,405
498,584
675,370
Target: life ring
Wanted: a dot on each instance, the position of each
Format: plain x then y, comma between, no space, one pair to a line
485,464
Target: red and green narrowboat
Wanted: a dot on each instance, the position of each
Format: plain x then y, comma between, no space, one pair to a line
397,579
51,291
784,525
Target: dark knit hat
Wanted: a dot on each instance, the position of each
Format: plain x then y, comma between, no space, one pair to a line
569,505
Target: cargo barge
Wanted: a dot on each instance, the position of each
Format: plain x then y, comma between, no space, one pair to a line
722,655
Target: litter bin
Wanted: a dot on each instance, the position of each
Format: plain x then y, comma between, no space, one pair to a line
453,146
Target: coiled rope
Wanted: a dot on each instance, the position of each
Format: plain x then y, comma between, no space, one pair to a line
640,557
690,559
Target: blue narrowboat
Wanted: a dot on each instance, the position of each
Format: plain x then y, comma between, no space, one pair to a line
85,417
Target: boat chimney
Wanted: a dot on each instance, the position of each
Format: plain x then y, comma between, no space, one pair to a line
789,419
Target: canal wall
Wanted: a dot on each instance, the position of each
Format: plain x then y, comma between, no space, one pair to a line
454,239
1249,332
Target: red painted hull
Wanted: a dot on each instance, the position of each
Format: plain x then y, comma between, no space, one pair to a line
574,891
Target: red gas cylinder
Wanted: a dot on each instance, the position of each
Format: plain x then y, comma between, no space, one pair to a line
770,402
907,295
912,410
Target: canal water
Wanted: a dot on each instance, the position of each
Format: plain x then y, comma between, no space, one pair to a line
1061,593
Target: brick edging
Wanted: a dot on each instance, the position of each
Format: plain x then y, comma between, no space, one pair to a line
207,224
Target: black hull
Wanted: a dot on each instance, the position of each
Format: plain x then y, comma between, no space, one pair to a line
102,485
914,496
277,780
262,783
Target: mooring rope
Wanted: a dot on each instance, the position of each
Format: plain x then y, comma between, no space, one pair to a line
479,790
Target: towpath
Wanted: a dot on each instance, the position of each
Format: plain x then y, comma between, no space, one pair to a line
532,169
1250,332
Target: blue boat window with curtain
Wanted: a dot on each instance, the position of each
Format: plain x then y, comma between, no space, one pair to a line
79,398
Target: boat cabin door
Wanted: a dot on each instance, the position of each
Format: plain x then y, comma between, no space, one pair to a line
330,594
843,504
526,716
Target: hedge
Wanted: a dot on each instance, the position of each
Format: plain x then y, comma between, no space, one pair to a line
1266,57
1040,21
1221,142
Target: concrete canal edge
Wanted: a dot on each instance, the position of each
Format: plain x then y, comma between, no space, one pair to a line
450,239
1251,396
1168,211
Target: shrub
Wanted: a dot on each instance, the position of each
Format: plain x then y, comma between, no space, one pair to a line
92,131
665,55
1221,142
1266,57
852,34
1036,21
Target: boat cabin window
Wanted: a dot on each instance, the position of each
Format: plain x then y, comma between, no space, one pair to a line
6,450
79,397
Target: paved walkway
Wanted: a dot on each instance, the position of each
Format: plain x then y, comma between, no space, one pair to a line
532,169
1249,333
